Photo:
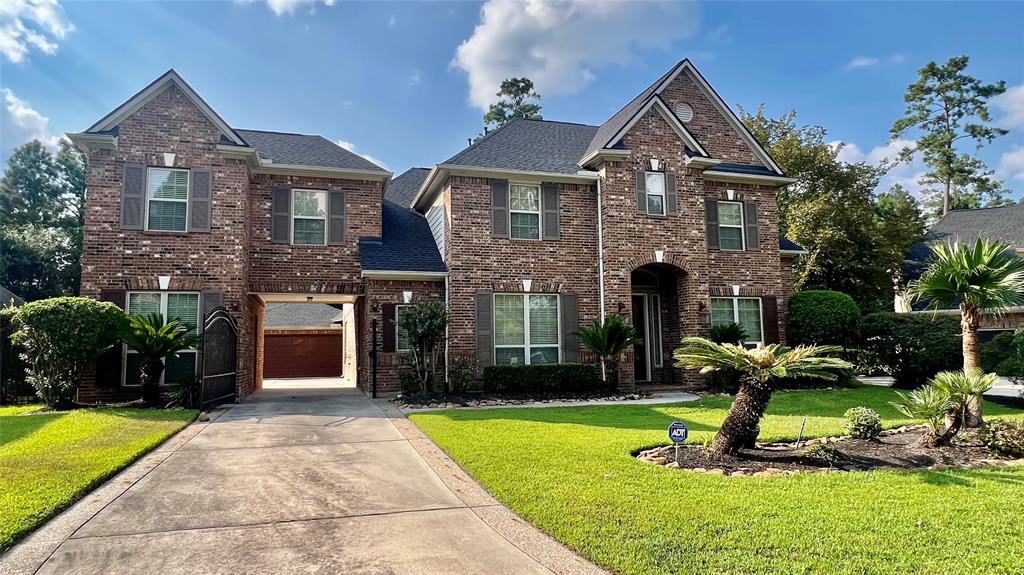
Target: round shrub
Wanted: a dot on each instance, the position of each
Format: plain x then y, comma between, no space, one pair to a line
823,317
863,423
1003,437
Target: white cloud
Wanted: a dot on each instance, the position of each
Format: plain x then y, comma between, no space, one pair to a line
851,152
721,32
1011,164
871,61
559,44
415,78
22,123
352,148
1012,103
848,152
392,21
31,24
281,7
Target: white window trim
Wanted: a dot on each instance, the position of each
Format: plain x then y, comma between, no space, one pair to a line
399,348
656,334
163,312
539,211
188,197
292,217
526,325
647,192
736,315
741,226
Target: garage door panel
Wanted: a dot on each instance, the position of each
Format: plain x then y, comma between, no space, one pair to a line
303,355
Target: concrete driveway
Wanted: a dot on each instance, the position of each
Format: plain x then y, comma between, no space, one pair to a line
318,480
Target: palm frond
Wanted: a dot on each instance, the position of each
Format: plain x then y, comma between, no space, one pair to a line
771,361
985,275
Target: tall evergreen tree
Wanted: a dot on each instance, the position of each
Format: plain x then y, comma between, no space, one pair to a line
515,95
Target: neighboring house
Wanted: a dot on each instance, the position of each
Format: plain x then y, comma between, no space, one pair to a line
1004,223
304,340
665,213
7,297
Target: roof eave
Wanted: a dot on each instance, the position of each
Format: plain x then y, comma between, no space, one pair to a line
440,171
89,142
403,275
603,155
793,252
739,178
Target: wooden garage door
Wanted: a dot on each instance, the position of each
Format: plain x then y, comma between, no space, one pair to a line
295,354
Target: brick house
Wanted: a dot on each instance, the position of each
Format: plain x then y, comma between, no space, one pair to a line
665,213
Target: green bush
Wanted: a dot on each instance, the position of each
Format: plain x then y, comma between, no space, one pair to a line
825,454
823,317
912,347
13,377
61,336
863,423
1004,354
546,378
1003,437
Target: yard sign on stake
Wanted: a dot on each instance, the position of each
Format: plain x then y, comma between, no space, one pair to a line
678,432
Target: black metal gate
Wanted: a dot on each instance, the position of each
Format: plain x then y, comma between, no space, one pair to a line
220,358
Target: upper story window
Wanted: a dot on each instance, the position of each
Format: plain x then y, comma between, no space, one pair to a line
655,185
745,311
524,211
167,199
309,217
526,328
183,306
730,225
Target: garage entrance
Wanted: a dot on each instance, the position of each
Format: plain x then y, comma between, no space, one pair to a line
304,353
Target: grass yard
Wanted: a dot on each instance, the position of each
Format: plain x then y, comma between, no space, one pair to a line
570,472
48,460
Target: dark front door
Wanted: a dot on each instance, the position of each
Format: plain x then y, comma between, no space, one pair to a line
640,367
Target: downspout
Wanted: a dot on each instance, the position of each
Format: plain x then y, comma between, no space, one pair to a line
600,265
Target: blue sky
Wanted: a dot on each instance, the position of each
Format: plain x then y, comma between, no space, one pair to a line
406,83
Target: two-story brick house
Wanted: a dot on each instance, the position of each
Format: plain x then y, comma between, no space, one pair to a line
665,213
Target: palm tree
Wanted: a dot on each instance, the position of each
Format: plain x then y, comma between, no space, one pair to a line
985,276
759,369
944,404
609,339
155,340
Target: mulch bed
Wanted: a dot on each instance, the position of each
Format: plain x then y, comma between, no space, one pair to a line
896,449
456,400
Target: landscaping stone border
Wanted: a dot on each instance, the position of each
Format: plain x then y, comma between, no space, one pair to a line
495,403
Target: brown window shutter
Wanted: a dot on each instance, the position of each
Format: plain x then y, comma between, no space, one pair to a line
133,197
485,328
671,196
751,241
499,208
570,325
280,207
770,318
711,216
200,204
390,339
641,192
108,366
336,218
549,207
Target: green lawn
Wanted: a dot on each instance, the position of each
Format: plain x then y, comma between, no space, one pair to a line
48,460
570,472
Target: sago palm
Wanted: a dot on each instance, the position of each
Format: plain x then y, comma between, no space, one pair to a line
983,276
155,340
944,403
609,339
759,370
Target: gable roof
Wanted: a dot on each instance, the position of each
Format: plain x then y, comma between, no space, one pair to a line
1005,223
7,297
407,243
404,187
529,145
304,150
155,88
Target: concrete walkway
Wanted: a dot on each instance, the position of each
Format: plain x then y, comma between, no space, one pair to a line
318,480
1004,387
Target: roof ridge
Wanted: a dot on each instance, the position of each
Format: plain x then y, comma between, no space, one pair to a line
558,122
965,210
281,133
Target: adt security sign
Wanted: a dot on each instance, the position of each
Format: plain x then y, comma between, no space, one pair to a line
678,432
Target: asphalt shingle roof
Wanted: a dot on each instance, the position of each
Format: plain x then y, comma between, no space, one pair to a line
403,188
788,244
407,244
305,150
529,145
1004,223
308,315
7,296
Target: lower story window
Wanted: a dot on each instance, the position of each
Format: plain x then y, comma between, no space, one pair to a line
745,311
401,334
526,328
169,305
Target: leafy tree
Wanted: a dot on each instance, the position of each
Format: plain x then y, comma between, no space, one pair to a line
37,262
946,105
154,341
985,276
609,339
760,370
425,322
901,225
973,188
515,94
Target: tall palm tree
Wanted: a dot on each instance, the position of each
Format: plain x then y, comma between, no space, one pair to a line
759,370
155,340
609,339
985,276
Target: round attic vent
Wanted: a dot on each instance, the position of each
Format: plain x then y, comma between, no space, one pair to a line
684,112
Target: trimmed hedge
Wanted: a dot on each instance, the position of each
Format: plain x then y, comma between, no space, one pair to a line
823,317
552,377
912,347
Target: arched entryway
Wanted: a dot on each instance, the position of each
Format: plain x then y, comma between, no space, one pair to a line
657,292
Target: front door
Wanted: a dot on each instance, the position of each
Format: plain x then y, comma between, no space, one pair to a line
641,363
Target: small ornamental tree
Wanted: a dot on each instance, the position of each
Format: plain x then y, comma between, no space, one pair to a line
155,340
60,337
609,339
426,323
944,403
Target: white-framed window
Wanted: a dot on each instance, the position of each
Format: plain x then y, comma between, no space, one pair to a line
526,328
745,311
524,211
309,217
401,334
655,186
183,306
167,199
655,322
730,226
